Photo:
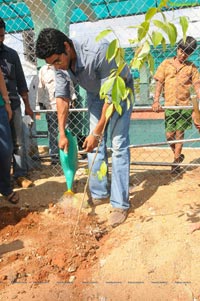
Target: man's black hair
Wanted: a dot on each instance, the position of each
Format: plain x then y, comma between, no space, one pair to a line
188,46
51,41
2,23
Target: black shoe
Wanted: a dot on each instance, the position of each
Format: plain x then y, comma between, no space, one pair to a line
175,170
181,158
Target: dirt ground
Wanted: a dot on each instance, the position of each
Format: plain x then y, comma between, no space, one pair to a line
51,250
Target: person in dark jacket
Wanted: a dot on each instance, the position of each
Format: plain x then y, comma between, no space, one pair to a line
17,87
6,145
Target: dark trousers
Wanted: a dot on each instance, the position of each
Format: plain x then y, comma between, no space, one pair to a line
6,150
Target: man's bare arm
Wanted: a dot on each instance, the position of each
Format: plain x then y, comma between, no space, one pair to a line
62,113
158,90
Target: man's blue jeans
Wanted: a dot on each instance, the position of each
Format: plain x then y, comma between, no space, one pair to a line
5,153
119,134
19,154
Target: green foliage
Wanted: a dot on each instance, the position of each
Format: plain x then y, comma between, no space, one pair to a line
109,111
152,32
114,88
143,30
151,13
163,31
156,38
106,88
103,34
184,26
102,172
112,50
167,28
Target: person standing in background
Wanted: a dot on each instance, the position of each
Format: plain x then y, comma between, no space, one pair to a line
175,76
6,147
17,87
46,100
29,128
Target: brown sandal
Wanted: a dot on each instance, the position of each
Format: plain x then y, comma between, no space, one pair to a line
13,198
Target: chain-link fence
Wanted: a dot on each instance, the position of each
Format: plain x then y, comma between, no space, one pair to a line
149,149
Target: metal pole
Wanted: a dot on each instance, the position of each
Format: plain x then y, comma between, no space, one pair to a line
70,110
164,164
164,143
147,108
135,108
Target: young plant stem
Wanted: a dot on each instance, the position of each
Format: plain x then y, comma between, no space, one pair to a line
89,173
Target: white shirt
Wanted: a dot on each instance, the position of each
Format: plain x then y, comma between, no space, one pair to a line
46,87
47,84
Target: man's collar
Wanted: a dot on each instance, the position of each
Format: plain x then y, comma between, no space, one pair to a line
172,61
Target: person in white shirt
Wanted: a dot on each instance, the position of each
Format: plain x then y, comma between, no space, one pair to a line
47,101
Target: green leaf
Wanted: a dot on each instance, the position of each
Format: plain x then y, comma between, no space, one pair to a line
144,50
150,13
128,104
102,172
118,108
112,73
160,25
122,51
169,29
143,29
103,34
156,38
121,86
164,47
120,68
99,175
172,33
109,111
106,87
184,26
112,50
118,93
103,168
164,17
129,97
133,41
151,63
131,94
119,58
107,98
136,64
